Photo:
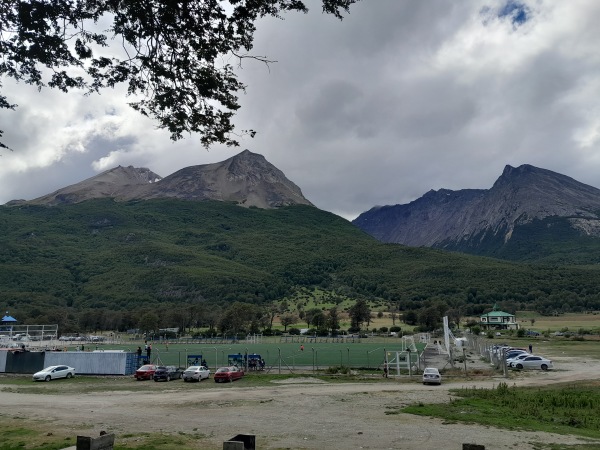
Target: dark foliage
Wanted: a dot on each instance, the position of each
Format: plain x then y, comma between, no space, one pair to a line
170,53
103,265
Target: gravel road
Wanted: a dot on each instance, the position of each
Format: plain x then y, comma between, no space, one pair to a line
291,414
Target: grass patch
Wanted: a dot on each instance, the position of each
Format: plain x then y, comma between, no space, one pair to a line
570,410
17,434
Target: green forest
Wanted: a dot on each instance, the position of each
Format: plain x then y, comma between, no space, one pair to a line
102,264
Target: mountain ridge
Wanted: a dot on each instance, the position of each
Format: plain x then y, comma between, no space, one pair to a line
457,220
247,179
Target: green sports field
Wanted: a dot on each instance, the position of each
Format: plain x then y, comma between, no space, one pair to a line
357,354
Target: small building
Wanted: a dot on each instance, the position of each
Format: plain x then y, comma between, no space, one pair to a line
498,320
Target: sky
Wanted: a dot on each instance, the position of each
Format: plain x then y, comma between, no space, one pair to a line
399,98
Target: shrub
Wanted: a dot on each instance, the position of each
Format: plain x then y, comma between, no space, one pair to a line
395,329
294,331
383,329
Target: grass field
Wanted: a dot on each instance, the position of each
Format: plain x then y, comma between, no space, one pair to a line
361,353
571,322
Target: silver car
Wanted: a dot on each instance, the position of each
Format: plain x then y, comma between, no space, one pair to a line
54,372
533,362
432,376
196,373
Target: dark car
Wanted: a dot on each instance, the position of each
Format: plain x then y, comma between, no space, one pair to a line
228,374
146,372
167,373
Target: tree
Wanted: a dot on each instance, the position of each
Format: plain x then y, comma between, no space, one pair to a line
238,318
315,317
287,319
149,322
333,319
171,53
359,313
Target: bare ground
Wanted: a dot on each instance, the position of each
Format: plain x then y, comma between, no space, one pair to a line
294,413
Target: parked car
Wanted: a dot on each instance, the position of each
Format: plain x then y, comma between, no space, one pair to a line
510,362
514,352
167,373
196,373
431,376
54,372
534,362
146,372
228,374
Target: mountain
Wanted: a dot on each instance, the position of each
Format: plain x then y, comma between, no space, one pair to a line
528,214
247,179
101,264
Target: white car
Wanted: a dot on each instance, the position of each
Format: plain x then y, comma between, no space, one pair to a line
533,362
54,372
511,361
196,373
432,376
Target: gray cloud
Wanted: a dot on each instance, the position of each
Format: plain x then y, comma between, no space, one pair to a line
397,99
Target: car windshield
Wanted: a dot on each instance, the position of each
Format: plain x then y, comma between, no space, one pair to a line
193,368
146,368
431,371
223,369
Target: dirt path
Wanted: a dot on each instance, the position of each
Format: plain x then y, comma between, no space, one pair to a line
294,414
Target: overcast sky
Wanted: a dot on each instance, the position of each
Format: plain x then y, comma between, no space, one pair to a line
399,98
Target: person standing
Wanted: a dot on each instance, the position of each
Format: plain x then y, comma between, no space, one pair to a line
385,369
139,352
302,348
530,348
148,351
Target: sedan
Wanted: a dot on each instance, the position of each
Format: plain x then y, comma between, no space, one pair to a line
228,374
54,372
512,361
514,352
146,372
534,362
196,373
166,373
432,376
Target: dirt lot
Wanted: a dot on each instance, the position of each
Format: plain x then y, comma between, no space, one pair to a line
295,413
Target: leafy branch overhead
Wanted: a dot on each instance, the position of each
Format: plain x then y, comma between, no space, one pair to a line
171,53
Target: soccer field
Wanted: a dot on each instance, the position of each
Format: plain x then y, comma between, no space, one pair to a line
289,355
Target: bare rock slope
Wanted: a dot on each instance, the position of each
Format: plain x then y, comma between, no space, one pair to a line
448,219
247,179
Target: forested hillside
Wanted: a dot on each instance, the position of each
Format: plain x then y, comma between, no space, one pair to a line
104,264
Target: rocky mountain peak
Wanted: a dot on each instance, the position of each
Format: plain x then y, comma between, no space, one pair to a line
453,219
247,179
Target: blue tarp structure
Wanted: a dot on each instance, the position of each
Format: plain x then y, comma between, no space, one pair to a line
8,319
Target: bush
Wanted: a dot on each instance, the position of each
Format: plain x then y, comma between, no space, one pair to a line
521,332
383,329
353,330
294,331
395,329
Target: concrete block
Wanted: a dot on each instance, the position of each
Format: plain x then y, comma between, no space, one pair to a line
104,442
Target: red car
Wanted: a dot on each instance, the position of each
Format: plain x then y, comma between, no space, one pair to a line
146,372
228,374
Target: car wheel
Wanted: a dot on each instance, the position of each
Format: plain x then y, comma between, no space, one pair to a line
69,375
544,367
168,377
519,366
48,378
